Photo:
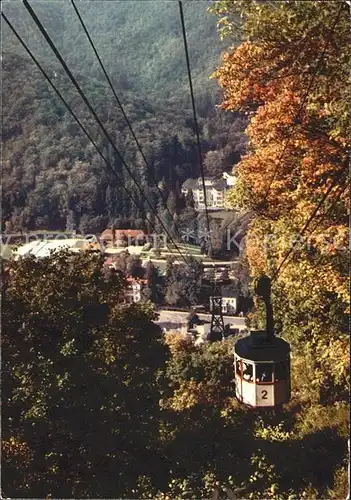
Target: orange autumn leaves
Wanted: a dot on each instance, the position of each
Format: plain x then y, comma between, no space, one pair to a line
289,159
292,95
290,76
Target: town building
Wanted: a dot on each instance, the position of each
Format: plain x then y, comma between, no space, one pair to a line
44,248
134,289
229,300
135,286
229,305
123,237
215,191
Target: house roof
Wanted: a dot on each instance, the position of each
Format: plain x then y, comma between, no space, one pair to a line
107,234
218,184
133,233
120,233
43,248
190,184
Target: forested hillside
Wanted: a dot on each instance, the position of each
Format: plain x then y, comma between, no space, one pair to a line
140,43
53,177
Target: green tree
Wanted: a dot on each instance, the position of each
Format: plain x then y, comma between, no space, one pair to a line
79,370
151,274
189,199
134,266
172,203
183,283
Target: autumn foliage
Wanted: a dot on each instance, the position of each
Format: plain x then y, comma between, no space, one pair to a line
290,75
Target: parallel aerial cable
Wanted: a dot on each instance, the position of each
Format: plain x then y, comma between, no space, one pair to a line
320,259
304,100
123,112
108,164
97,119
195,120
309,221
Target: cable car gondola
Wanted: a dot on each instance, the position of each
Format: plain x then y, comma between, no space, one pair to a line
262,362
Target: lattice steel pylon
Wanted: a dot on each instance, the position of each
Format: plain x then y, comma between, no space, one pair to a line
217,331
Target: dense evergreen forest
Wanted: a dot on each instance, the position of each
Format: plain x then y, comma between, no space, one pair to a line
53,177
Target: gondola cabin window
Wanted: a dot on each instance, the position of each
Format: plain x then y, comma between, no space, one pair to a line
244,370
264,373
248,372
